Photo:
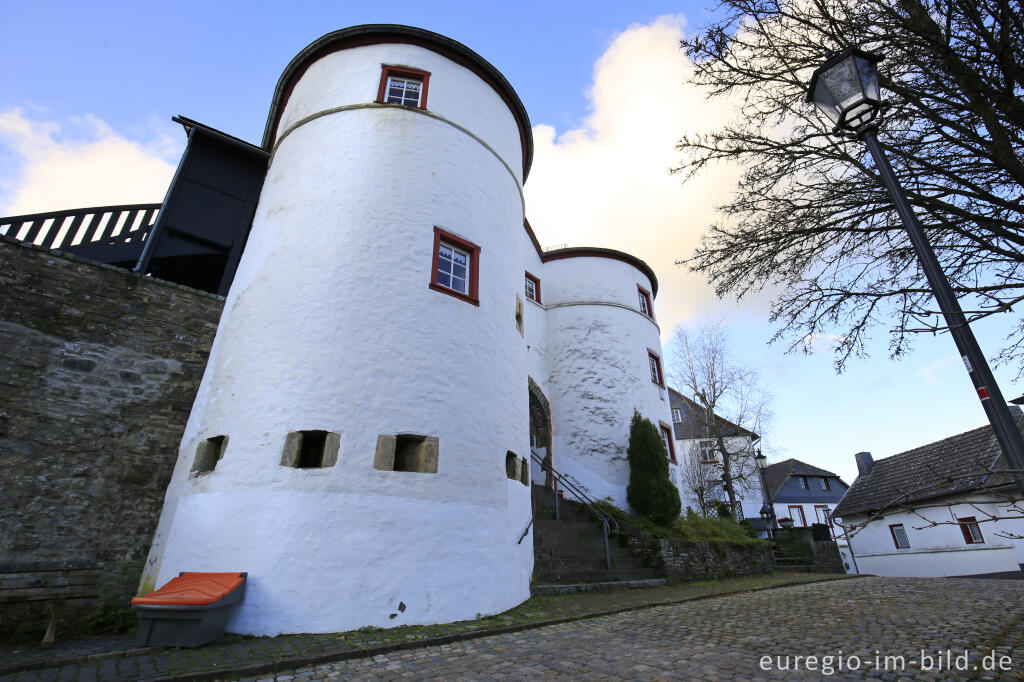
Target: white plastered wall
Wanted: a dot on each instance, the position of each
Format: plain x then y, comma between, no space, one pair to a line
597,348
330,325
939,550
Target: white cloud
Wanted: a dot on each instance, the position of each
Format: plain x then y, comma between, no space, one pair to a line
931,373
607,184
817,343
81,162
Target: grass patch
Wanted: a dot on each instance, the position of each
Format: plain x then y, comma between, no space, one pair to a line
689,528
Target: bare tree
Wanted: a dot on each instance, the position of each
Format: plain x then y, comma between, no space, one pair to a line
697,475
809,223
732,404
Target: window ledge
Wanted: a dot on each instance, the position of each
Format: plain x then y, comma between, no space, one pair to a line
455,294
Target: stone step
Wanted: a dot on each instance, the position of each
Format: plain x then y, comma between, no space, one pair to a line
583,551
569,588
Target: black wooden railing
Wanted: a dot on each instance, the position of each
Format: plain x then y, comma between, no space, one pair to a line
109,234
565,483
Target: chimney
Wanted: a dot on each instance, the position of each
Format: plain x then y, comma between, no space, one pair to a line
865,463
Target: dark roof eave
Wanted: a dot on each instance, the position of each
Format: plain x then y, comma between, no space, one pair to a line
367,34
597,252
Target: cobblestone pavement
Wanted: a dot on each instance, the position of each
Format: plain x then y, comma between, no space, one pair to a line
859,623
118,658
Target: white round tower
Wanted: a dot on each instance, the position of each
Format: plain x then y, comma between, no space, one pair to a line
358,438
604,358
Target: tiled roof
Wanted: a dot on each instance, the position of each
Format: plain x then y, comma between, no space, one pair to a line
694,423
953,465
777,474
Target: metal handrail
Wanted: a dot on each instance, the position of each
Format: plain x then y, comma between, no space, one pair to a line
607,521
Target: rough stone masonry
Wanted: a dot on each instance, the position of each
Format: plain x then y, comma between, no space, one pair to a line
98,371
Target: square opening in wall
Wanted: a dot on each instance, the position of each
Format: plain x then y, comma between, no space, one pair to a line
310,449
410,453
208,454
407,452
511,465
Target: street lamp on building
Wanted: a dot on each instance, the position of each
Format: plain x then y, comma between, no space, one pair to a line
845,89
767,509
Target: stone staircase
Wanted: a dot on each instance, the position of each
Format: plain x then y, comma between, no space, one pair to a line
796,564
569,552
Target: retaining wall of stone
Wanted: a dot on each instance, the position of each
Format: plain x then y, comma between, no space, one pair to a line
98,371
685,561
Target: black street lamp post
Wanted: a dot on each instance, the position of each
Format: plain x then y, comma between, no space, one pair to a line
767,509
845,89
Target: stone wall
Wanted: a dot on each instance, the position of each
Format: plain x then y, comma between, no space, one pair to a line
685,561
827,558
98,370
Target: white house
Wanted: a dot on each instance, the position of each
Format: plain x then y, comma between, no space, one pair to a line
393,343
695,464
941,509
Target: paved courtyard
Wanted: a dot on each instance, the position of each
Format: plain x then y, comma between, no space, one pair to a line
888,628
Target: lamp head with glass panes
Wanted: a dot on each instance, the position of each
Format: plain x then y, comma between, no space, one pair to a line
845,89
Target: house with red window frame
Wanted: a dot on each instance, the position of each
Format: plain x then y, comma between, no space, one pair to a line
803,492
947,508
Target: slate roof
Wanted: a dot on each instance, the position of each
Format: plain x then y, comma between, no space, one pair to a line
953,465
776,475
694,424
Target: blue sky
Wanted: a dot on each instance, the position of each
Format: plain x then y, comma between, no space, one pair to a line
88,89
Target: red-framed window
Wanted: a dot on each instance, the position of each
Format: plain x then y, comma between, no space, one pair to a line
532,287
796,512
402,85
456,267
669,438
823,514
971,530
654,361
645,301
899,536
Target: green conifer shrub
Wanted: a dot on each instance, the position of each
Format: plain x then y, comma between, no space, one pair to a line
650,491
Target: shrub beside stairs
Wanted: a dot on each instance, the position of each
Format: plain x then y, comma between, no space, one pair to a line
569,554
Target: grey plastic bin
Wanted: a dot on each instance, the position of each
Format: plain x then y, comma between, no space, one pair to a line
186,625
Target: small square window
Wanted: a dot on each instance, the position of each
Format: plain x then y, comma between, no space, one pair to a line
899,536
677,415
209,452
655,364
532,288
804,483
310,449
971,530
456,266
645,301
407,452
825,484
403,86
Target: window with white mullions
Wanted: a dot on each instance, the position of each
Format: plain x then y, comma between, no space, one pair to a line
453,268
405,91
531,289
655,369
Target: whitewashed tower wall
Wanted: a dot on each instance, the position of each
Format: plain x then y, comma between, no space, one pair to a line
597,352
330,326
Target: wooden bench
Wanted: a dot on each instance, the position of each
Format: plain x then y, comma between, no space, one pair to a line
49,581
